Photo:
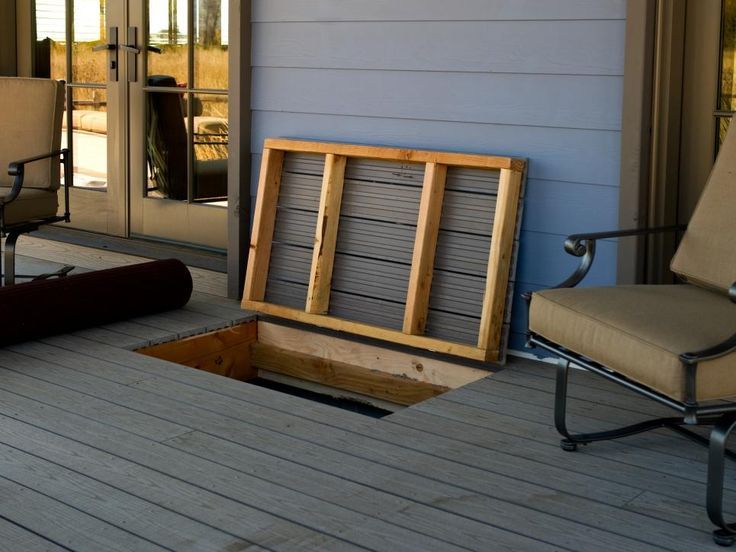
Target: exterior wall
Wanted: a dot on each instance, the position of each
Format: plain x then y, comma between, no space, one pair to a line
528,78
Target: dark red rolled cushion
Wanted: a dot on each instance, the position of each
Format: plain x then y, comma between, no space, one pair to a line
61,305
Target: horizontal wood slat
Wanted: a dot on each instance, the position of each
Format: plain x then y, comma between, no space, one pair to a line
400,154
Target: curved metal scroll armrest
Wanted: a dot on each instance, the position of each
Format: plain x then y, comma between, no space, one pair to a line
583,245
722,349
17,169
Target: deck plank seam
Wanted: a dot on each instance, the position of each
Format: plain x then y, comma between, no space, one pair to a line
522,505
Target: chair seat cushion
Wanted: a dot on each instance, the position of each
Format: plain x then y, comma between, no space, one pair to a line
31,204
639,332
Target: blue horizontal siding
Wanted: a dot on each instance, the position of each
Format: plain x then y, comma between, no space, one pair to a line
584,102
535,47
571,155
436,10
526,78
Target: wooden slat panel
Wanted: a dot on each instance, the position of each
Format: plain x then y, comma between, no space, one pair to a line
379,236
325,239
408,155
263,225
499,263
342,375
422,263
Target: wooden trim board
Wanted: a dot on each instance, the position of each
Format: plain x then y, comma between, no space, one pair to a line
325,239
417,297
223,352
398,154
264,221
409,366
341,375
499,261
425,246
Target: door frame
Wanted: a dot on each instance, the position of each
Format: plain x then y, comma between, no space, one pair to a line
656,89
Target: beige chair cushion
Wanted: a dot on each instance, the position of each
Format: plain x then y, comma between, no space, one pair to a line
30,119
707,255
639,331
30,204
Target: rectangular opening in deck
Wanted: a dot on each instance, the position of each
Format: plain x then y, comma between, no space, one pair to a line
333,370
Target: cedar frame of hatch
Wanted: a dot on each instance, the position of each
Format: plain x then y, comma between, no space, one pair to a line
315,313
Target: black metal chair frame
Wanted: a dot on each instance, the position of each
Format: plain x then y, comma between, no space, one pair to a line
12,232
721,416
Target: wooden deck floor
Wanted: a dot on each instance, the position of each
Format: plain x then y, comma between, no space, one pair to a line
105,449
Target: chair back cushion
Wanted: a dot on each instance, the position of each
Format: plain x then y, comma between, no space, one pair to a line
30,119
707,254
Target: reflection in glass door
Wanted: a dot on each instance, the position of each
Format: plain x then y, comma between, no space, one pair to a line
179,124
727,77
71,44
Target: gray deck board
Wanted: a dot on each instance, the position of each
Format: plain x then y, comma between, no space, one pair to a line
105,449
13,537
175,401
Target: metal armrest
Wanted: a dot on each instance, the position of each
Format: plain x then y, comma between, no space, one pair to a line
17,169
722,349
583,245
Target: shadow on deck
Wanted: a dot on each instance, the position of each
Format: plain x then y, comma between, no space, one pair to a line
105,449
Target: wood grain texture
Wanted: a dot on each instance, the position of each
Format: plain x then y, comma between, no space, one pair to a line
223,352
263,225
412,366
425,245
341,375
325,239
499,262
375,332
396,154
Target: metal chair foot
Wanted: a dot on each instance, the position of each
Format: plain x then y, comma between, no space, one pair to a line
63,272
723,538
569,446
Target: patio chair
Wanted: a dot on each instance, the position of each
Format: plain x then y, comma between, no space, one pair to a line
675,344
30,149
166,148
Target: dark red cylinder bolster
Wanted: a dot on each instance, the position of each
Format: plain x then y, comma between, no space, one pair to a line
36,309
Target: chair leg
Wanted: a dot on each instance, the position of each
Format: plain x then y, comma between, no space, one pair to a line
571,441
10,241
726,535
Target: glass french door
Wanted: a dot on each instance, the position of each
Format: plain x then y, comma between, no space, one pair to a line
71,40
146,114
178,120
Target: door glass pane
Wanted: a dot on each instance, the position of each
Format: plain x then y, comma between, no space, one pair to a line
49,59
210,44
166,142
89,137
84,128
727,91
89,30
210,147
168,21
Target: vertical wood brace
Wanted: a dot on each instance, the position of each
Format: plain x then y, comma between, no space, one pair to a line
425,246
325,238
499,261
264,220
